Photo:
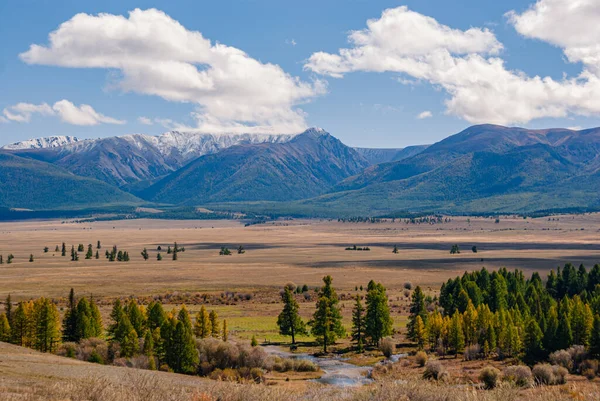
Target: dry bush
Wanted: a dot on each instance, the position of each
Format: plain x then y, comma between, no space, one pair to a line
435,370
421,358
490,376
544,373
387,347
561,358
589,368
578,355
472,352
519,375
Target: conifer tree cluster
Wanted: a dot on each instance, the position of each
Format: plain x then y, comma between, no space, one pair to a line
507,315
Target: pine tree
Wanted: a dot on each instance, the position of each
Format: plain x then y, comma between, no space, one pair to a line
127,337
136,317
253,341
417,308
158,256
70,320
358,324
97,255
90,252
5,333
57,249
327,319
47,326
175,254
8,309
241,250
213,318
63,251
420,333
46,249
533,339
145,254
80,248
595,338
83,326
31,257
378,323
1,260
498,293
395,249
10,258
156,316
21,324
116,316
181,353
225,332
455,333
289,321
98,246
202,327
564,335
96,328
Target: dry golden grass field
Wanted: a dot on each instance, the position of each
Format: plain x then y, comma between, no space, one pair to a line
244,288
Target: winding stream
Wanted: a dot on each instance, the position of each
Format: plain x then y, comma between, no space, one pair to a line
336,371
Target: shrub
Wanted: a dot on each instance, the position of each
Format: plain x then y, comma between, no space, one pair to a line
421,358
387,347
542,373
435,370
472,352
578,355
408,285
490,376
95,358
560,374
562,358
519,375
589,368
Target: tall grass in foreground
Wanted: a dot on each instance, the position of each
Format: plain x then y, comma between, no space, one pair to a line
155,386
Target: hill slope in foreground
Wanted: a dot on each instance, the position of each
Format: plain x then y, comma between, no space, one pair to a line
29,375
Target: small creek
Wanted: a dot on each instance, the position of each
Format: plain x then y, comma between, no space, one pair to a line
336,371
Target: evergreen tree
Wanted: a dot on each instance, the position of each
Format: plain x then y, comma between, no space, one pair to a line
498,296
417,308
213,318
70,320
8,309
98,246
202,327
47,326
63,251
10,258
145,254
21,324
181,353
83,325
1,260
395,249
378,323
595,338
533,339
31,257
97,255
116,316
96,328
158,256
156,316
327,319
225,332
456,336
289,321
80,248
550,341
420,333
127,337
5,333
241,250
136,317
90,253
564,335
358,324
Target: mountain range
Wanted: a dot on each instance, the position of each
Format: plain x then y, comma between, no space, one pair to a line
483,169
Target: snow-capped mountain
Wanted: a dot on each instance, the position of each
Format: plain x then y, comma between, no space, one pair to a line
132,158
42,143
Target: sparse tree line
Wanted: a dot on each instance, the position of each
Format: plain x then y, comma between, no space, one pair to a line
503,315
140,336
435,219
370,323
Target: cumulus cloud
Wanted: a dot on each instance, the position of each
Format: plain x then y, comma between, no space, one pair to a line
145,121
156,55
424,114
65,110
468,66
571,25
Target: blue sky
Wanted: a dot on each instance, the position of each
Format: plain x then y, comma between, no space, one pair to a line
363,105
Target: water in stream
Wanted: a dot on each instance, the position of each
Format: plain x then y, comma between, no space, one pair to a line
335,371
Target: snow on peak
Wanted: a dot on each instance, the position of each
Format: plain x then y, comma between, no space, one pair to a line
42,143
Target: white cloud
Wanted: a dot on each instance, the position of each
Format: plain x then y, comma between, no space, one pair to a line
3,119
424,114
156,55
145,121
571,25
291,42
21,112
466,64
65,110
